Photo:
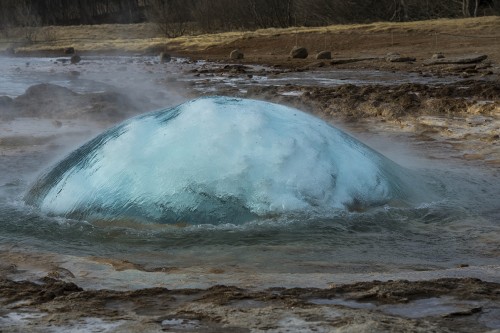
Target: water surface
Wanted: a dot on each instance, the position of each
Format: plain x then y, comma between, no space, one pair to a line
460,226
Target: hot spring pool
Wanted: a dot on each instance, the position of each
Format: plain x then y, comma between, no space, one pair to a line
285,221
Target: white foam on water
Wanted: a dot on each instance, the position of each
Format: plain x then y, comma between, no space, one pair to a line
181,324
429,307
18,318
90,325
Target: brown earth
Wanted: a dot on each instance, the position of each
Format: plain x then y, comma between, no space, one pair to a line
364,46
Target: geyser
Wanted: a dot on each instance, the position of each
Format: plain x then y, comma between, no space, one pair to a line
219,160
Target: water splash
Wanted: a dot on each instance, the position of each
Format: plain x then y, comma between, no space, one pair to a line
220,160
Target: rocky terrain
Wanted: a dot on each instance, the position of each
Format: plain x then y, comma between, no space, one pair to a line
443,305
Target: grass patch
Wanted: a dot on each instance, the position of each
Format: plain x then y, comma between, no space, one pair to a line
143,37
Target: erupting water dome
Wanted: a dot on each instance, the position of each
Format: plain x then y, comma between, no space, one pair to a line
219,160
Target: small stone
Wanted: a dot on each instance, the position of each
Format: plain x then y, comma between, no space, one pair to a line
299,53
396,57
236,55
437,56
324,55
69,50
75,59
165,57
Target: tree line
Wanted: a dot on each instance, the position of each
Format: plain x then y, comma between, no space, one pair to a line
176,17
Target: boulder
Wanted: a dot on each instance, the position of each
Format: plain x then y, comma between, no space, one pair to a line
165,57
56,102
69,50
473,59
75,59
299,53
324,55
437,56
236,55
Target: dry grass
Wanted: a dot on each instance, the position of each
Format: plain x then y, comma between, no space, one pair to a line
141,37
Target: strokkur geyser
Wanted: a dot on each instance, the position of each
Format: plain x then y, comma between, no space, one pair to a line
219,160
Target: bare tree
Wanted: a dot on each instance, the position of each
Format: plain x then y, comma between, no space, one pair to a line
28,19
170,16
401,11
476,7
174,16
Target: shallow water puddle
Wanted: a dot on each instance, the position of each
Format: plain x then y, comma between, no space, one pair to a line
431,307
427,307
491,318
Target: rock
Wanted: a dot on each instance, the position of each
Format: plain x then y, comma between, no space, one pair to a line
299,53
75,59
5,103
69,50
456,60
52,101
483,65
324,55
396,57
236,55
47,90
237,69
437,56
165,57
464,312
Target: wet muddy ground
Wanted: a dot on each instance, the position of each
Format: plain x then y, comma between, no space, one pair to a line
443,305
